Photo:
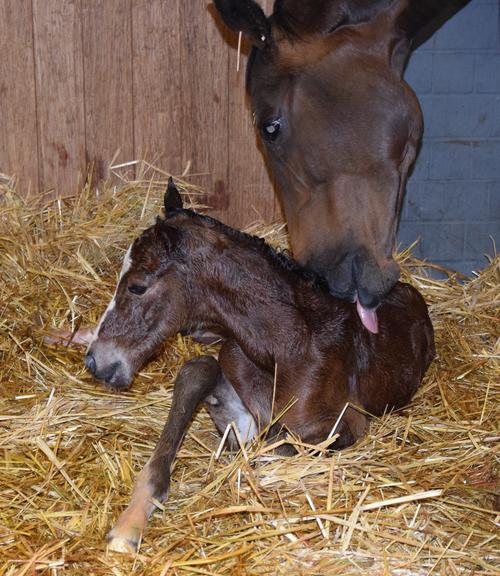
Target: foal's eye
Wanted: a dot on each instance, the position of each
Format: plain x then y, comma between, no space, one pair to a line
137,289
271,130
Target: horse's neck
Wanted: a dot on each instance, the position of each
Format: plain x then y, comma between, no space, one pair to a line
255,301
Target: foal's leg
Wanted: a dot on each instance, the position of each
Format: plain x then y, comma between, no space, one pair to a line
243,395
195,380
82,337
255,388
225,406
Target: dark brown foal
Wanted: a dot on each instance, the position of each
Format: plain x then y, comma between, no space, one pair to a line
190,273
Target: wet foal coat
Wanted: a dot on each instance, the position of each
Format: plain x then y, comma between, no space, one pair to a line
287,343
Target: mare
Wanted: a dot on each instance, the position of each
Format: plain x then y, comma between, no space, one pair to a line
340,127
293,356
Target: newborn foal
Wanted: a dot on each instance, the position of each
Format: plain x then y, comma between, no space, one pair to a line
188,273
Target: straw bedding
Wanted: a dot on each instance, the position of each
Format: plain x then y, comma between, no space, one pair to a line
418,495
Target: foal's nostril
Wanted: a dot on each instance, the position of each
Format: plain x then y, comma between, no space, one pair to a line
90,363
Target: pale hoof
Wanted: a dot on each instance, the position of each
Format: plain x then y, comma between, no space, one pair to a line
124,543
81,337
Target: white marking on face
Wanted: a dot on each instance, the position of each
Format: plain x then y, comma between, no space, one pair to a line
127,263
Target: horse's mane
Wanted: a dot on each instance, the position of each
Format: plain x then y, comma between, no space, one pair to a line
281,258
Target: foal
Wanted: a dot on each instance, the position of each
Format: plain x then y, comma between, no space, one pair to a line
188,273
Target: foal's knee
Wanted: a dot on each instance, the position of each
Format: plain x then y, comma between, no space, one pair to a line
352,427
199,372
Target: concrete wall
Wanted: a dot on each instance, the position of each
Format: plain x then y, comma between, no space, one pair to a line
453,196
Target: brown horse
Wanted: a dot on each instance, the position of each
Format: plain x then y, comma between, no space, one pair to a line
291,351
340,127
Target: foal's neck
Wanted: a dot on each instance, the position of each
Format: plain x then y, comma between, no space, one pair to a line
248,292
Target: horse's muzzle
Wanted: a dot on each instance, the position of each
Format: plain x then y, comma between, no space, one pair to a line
357,276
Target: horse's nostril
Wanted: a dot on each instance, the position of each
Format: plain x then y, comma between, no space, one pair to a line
90,363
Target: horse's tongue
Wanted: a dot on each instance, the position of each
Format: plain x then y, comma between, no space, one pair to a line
368,317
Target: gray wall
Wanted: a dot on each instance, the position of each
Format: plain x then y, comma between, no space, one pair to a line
453,196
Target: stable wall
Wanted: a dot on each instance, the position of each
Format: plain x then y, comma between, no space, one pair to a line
453,197
83,82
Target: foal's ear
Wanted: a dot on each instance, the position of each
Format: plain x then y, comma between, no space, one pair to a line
169,235
172,199
246,16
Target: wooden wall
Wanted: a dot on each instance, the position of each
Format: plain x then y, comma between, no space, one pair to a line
81,80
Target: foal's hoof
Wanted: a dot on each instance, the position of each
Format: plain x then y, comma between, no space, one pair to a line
126,543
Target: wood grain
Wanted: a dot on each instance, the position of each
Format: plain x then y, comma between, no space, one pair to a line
18,136
252,192
82,79
59,89
156,82
205,105
107,60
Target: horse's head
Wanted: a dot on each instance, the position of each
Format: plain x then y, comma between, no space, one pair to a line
148,306
339,125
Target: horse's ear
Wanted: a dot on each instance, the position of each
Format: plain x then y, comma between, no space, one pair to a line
416,20
419,19
170,236
172,199
303,19
245,16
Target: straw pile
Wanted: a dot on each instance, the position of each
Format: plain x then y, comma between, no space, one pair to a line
418,495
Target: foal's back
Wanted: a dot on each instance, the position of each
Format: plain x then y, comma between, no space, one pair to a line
382,371
401,352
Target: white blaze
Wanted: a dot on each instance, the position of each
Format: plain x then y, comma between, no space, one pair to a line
127,263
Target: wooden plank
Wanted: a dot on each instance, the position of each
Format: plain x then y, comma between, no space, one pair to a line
107,65
205,105
252,195
156,82
18,136
59,88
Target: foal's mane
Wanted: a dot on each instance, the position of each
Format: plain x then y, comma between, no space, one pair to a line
279,257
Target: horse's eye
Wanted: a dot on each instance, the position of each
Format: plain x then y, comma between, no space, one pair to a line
137,289
271,130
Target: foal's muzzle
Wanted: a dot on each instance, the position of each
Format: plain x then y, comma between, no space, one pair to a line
90,363
112,371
